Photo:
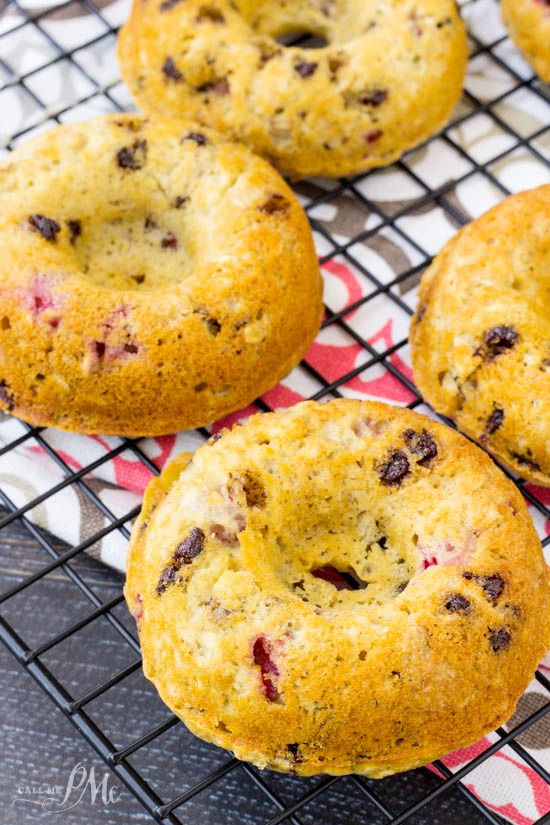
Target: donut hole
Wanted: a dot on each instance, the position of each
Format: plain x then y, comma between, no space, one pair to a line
295,26
331,569
131,253
302,39
340,579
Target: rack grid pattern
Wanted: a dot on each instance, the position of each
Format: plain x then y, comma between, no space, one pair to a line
213,784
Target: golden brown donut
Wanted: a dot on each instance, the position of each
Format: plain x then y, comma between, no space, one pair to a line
154,276
338,588
480,337
387,79
528,22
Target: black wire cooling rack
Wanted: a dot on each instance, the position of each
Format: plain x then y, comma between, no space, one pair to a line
208,786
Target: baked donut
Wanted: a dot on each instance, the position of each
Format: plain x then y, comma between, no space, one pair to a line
337,588
528,22
154,276
480,337
387,79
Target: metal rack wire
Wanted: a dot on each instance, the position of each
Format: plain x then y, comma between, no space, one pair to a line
227,790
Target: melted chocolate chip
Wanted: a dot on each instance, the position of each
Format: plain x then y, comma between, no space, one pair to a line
168,4
198,137
190,547
180,201
219,86
133,157
457,603
47,227
422,444
75,230
275,204
499,339
494,422
500,639
395,469
167,577
374,98
6,396
169,241
525,461
305,69
171,71
210,13
184,553
493,585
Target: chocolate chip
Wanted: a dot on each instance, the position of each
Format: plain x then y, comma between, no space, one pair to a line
395,469
47,227
132,349
184,553
139,279
168,4
373,98
457,603
171,71
494,421
499,339
420,312
275,204
219,86
493,584
180,201
75,230
190,547
500,639
267,53
169,241
198,137
305,69
133,157
422,444
210,13
6,396
525,461
150,223
167,577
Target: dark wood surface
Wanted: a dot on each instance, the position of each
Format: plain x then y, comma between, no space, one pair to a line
40,746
